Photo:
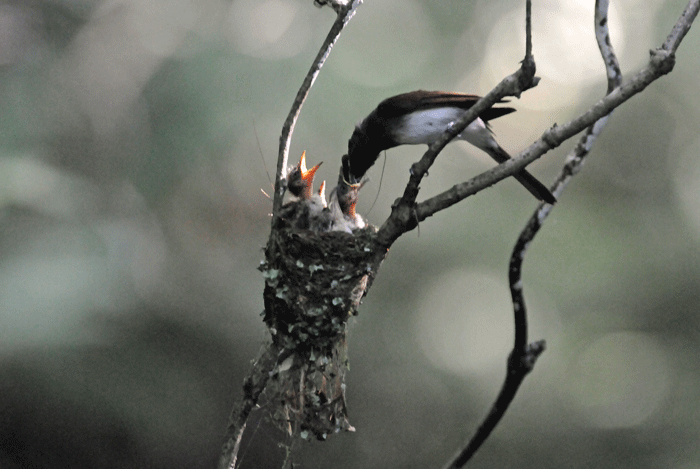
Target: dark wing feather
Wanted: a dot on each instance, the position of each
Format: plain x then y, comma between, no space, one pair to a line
406,103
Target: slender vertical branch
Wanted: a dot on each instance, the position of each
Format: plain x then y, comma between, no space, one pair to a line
518,368
253,387
681,27
528,29
523,356
345,13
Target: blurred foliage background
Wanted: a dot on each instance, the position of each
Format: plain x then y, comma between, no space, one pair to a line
134,136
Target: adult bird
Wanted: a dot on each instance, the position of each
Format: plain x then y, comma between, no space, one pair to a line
421,117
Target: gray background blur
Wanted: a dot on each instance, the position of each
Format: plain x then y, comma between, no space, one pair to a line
132,224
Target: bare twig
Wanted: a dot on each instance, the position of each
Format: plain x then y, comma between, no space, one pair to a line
518,368
682,26
253,387
528,29
345,13
660,64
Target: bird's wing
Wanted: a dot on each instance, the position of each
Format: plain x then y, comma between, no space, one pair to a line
406,103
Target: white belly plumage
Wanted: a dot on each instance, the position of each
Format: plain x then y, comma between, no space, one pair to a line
427,126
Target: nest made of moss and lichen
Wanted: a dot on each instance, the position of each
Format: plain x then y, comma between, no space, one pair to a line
307,394
314,283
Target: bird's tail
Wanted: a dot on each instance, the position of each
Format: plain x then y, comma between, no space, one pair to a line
529,181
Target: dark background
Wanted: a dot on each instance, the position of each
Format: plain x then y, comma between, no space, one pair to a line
134,136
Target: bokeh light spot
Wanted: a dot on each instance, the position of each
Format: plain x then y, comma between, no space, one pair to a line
687,184
272,29
619,380
388,42
464,323
559,28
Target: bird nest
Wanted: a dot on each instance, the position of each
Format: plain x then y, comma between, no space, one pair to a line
314,282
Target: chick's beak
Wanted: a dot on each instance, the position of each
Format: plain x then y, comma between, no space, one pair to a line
300,179
307,175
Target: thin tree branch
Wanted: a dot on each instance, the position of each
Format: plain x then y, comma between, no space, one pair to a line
517,370
253,387
345,13
528,29
404,216
682,26
574,162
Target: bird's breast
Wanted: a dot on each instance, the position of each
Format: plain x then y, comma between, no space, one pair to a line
425,126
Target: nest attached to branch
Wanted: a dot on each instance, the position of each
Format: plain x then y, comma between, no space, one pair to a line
314,282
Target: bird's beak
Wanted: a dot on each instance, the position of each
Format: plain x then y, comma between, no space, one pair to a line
307,175
301,179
